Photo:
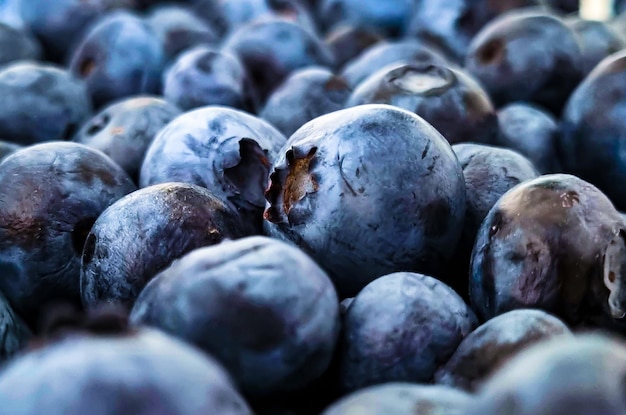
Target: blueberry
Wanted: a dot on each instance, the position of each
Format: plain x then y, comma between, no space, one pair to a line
119,56
7,148
582,375
554,243
40,103
52,194
142,233
14,333
527,56
593,137
494,343
307,94
597,41
532,132
367,191
178,28
348,42
204,76
450,100
401,328
139,373
402,399
262,307
125,129
452,24
16,45
273,48
386,53
227,151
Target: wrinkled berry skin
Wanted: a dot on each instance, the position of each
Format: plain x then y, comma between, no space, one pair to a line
527,56
554,243
40,103
120,56
16,45
14,333
452,24
401,398
532,132
140,373
494,343
51,195
367,191
449,99
401,328
227,151
348,42
386,53
597,41
142,233
204,76
581,375
307,94
246,302
593,133
391,17
271,49
125,129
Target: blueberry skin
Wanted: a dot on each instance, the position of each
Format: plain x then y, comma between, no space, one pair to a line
347,42
593,134
390,17
179,28
60,24
554,243
52,194
271,49
260,306
532,132
141,373
227,151
580,375
449,99
597,41
402,399
7,148
14,333
527,56
494,343
452,24
17,45
40,103
386,53
142,233
125,129
367,191
204,76
307,94
401,328
120,56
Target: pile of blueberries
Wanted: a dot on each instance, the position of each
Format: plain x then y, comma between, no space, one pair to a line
301,207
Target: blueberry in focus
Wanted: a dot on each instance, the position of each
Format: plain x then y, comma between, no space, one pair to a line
306,94
401,328
142,233
118,57
204,76
125,129
40,103
347,42
17,45
593,133
532,132
142,372
449,99
271,49
367,191
494,343
582,375
554,243
260,306
402,399
51,195
14,333
527,56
